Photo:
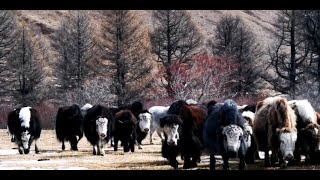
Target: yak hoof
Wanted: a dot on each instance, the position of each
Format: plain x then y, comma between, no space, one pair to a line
186,167
283,166
226,167
242,167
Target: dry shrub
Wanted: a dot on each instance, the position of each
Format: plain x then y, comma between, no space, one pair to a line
47,112
4,111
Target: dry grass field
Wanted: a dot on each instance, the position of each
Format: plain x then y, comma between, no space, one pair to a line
51,157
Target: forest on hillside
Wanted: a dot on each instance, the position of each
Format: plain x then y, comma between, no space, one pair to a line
123,61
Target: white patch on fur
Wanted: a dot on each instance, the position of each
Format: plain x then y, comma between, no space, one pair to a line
248,114
247,135
85,108
157,112
232,134
305,110
25,137
241,107
144,121
102,127
287,143
172,134
191,101
25,116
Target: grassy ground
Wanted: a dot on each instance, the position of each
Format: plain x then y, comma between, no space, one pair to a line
52,157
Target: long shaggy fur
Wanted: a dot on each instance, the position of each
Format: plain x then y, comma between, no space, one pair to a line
89,125
193,118
176,106
304,111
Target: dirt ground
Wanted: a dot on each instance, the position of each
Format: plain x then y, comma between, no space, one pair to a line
51,157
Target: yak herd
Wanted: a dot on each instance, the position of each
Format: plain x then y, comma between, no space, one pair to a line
288,129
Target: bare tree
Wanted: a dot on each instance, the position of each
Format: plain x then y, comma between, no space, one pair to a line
74,42
208,78
126,51
93,91
174,39
312,33
25,65
233,39
290,52
8,37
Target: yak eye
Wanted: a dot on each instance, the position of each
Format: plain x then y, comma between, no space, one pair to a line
176,136
239,137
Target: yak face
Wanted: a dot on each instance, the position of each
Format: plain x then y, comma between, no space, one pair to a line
144,122
25,138
172,133
102,127
287,143
232,135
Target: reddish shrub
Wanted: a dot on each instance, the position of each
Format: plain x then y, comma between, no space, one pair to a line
4,111
47,112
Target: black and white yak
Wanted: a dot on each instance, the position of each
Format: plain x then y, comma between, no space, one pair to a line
24,125
223,134
98,127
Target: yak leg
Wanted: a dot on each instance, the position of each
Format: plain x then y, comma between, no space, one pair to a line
36,149
151,133
115,146
186,162
20,149
94,150
173,162
225,158
282,162
266,158
159,132
242,164
101,148
63,146
212,162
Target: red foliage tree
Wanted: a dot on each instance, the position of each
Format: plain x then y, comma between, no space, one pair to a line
206,77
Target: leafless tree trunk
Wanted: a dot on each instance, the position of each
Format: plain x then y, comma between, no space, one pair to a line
312,28
8,37
125,51
289,55
174,39
25,65
233,39
94,91
74,42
